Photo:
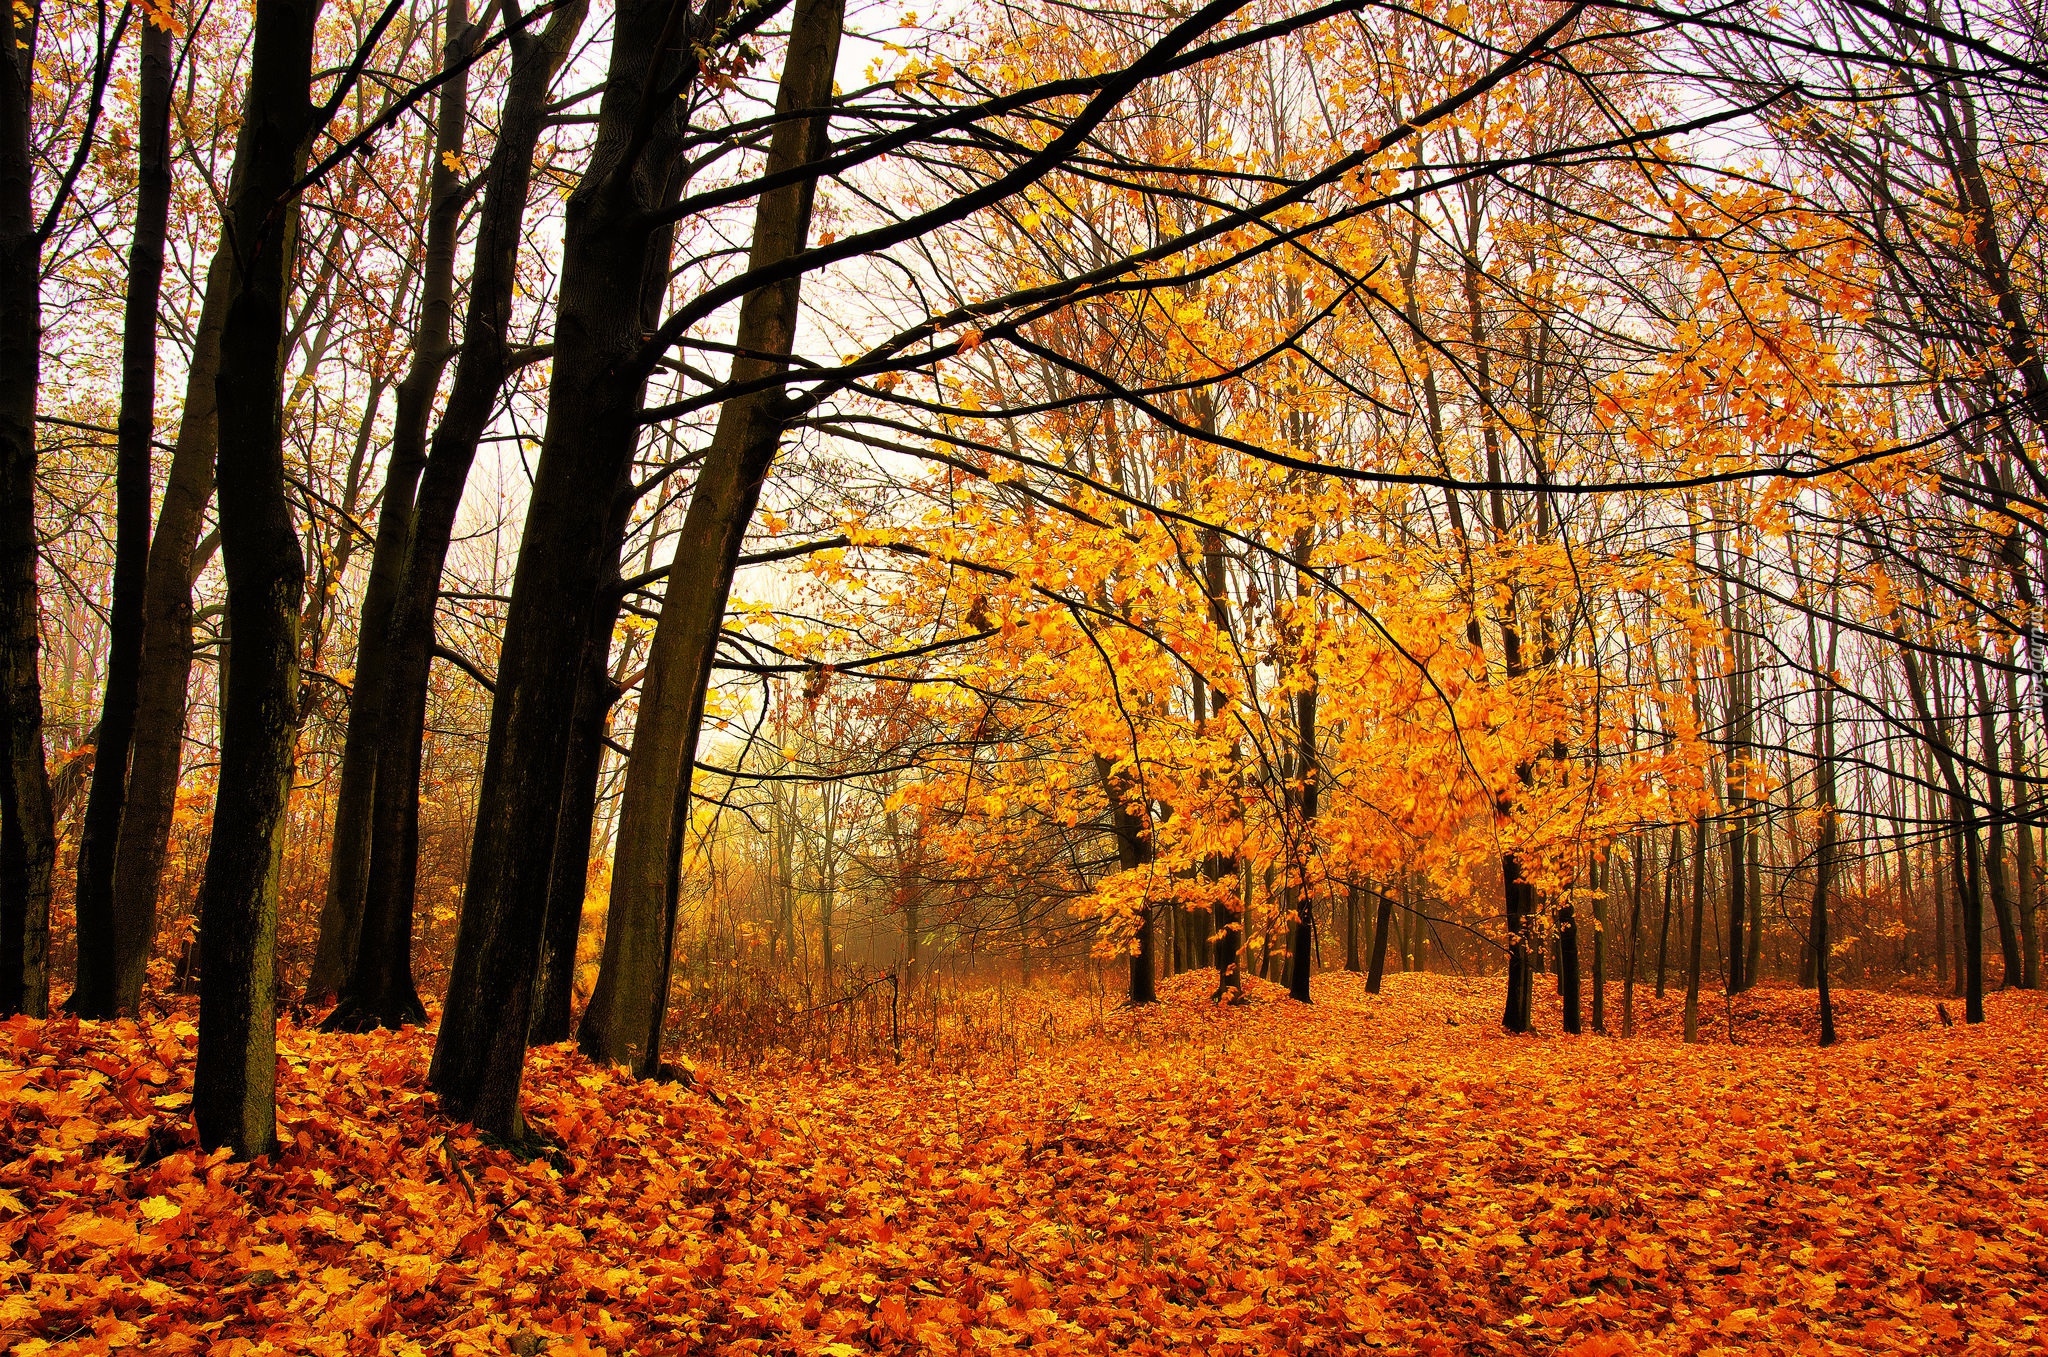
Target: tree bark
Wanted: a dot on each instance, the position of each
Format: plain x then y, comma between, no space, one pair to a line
1351,954
27,832
233,1088
165,671
1382,926
348,863
623,1023
379,990
570,877
1693,934
96,994
586,452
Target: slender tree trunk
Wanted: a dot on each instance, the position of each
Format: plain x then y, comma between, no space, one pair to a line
233,1089
379,990
1226,923
1606,872
97,993
1306,771
1671,889
175,559
1635,934
1824,847
27,832
1693,934
2027,888
1568,989
1970,901
341,916
1351,956
2010,954
624,1020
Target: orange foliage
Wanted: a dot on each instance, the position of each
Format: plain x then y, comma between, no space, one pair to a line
1388,1172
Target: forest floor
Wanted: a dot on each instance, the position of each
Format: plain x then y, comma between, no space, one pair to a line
1387,1172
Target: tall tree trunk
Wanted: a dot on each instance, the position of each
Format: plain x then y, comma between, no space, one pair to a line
2027,888
1568,988
233,1088
27,833
1824,848
1693,934
1226,924
610,234
348,865
1670,886
1969,899
1302,898
165,671
1635,933
1604,865
97,994
379,989
624,1020
1994,846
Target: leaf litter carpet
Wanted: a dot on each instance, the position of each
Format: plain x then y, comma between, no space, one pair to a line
1370,1173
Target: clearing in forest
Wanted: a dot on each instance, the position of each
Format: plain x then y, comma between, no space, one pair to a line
1387,1172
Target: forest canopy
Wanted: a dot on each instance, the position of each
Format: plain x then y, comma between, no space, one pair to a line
755,538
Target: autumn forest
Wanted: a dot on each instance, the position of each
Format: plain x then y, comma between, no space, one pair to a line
1218,676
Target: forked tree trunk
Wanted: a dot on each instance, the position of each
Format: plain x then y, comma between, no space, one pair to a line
175,559
379,990
100,945
27,834
593,426
348,863
623,1023
234,1086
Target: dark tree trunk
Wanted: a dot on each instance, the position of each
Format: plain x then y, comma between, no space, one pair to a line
157,749
1824,849
379,990
2010,954
1604,869
1382,926
623,1023
1226,924
27,834
97,993
1521,916
570,876
348,864
233,1089
1351,953
592,430
1635,934
1969,896
1302,897
1568,967
1693,934
1670,889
